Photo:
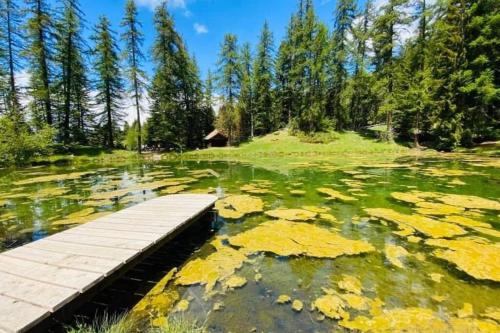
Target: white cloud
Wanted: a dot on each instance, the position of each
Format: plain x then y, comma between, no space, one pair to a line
152,4
200,28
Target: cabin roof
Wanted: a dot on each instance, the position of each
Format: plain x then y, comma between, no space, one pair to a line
213,134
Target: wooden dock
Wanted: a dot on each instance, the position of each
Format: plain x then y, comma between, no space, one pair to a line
44,277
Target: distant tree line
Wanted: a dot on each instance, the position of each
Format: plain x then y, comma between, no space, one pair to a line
439,86
78,88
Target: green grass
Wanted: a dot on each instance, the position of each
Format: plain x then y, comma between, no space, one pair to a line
122,324
86,154
282,143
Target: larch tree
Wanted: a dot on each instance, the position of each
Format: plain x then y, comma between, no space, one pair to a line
338,66
229,83
246,99
72,82
109,85
263,79
11,43
386,28
133,39
40,35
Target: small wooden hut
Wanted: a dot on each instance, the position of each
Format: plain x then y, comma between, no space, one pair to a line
216,139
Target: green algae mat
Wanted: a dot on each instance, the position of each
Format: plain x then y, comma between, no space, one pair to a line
362,244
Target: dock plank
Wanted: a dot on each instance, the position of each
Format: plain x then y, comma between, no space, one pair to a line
43,276
42,294
19,316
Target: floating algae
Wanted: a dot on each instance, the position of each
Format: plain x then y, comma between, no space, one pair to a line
434,208
237,206
80,217
287,238
467,325
425,225
292,214
335,195
332,306
53,178
235,281
436,277
395,254
465,221
351,284
282,299
477,259
316,209
182,306
465,311
298,192
398,321
174,189
254,189
469,201
356,302
218,266
51,192
492,313
158,301
297,305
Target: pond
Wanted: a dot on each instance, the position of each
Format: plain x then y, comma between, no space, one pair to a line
311,246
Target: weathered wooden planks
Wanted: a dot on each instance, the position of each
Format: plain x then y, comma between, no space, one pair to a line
42,277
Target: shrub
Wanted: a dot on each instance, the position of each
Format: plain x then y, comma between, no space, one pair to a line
19,144
317,137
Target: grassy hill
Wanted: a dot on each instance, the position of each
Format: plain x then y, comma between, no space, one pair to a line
282,143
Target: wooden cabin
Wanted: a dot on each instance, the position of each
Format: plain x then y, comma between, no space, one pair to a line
216,139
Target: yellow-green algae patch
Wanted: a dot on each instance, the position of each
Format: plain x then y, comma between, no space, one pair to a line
423,224
218,266
434,208
351,284
492,313
297,238
395,254
297,305
291,214
465,221
237,206
335,195
316,209
282,299
235,281
332,306
465,311
52,178
158,301
469,201
477,259
398,321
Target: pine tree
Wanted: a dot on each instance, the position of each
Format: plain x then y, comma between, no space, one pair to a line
386,32
134,39
40,36
481,119
360,95
72,81
245,101
312,54
344,16
229,83
109,84
263,78
208,104
448,45
11,44
284,87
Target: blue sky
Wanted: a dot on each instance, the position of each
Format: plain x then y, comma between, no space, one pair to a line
203,23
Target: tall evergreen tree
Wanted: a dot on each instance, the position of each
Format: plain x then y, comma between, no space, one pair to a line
134,39
109,83
11,44
361,98
386,32
39,51
448,46
283,76
344,16
245,101
72,81
229,83
208,104
263,78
